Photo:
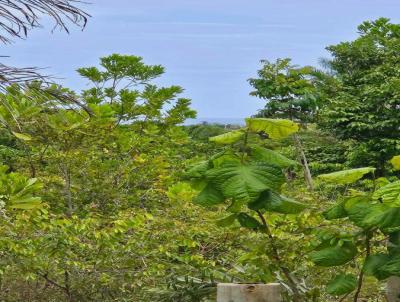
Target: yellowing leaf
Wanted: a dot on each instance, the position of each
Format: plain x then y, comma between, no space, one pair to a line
395,161
22,136
346,176
389,193
275,128
227,138
26,203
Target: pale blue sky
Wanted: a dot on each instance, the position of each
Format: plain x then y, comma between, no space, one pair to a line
209,47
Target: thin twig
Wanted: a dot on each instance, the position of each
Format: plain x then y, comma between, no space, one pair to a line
278,259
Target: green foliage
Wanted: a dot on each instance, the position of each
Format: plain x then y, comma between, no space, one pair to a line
374,264
19,192
335,254
118,83
373,214
94,207
342,284
186,290
288,90
203,132
248,179
361,104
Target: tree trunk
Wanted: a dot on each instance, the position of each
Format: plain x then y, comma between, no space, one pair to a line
304,162
393,289
67,191
231,292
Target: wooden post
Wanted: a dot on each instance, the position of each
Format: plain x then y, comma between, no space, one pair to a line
304,162
393,289
231,292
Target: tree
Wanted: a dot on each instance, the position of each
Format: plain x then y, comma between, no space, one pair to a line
288,91
363,105
123,82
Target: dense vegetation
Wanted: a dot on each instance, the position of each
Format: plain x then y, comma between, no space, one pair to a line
106,196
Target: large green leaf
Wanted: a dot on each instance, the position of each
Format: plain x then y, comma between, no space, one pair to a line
389,193
247,221
198,170
391,267
395,161
373,265
228,156
335,212
209,196
334,255
227,138
366,213
246,180
271,157
357,208
385,217
275,128
346,176
273,202
342,284
227,221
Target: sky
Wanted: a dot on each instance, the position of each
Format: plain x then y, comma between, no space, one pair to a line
209,47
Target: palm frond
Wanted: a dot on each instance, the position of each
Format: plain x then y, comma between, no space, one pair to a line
17,17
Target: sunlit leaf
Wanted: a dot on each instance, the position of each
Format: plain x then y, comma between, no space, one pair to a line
389,193
227,138
22,136
395,161
275,128
346,176
26,203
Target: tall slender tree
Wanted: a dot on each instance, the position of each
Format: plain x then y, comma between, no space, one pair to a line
288,90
